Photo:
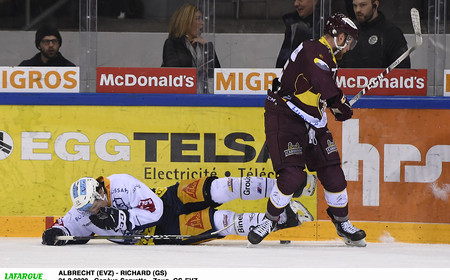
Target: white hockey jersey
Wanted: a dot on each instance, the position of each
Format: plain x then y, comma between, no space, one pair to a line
126,193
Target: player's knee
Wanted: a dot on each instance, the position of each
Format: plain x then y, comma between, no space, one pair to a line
207,190
332,178
290,179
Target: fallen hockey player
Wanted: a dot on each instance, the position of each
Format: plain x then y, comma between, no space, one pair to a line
122,207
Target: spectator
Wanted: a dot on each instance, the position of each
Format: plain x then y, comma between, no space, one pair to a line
380,42
186,48
303,24
47,41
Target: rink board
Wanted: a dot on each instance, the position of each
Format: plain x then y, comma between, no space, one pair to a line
20,226
398,189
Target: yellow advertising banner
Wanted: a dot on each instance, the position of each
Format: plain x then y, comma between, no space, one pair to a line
52,146
396,161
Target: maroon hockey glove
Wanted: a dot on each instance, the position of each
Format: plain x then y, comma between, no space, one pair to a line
341,108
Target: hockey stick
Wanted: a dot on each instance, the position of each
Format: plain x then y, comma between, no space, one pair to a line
415,18
146,237
124,237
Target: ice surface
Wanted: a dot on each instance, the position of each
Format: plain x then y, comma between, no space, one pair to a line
226,254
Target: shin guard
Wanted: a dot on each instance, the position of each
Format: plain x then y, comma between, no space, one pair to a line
246,188
242,222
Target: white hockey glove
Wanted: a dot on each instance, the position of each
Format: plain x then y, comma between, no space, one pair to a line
112,218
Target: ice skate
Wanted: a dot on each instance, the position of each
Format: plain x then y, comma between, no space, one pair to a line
296,214
258,233
352,235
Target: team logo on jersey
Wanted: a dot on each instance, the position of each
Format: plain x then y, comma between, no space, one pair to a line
230,184
293,149
225,220
119,203
191,189
6,145
331,147
240,224
196,221
321,64
373,39
147,204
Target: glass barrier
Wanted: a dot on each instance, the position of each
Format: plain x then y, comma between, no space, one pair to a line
241,33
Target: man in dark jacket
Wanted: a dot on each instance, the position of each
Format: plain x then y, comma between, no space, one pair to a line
301,25
47,41
380,42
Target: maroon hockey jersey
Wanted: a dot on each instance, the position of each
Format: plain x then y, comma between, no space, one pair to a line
309,79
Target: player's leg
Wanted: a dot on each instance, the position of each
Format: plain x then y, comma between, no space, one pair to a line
290,179
230,223
246,188
333,179
285,139
210,223
197,194
324,157
253,188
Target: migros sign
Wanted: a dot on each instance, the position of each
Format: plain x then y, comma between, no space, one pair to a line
39,79
244,81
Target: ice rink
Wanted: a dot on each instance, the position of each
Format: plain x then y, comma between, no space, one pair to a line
231,259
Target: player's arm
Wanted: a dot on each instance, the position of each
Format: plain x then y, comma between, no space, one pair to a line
65,226
319,71
322,79
146,208
340,107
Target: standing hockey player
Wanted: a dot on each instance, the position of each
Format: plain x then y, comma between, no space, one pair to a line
296,128
122,205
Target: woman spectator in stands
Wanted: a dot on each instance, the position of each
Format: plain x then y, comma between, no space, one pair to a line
185,47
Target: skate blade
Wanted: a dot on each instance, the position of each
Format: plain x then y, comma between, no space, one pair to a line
358,243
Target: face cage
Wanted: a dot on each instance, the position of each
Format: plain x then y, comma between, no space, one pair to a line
97,196
348,39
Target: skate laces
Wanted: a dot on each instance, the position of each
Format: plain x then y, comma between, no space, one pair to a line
348,227
264,228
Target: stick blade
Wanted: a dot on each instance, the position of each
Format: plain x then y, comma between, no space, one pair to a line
415,18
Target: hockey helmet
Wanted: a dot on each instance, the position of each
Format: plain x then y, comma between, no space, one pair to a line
339,23
84,192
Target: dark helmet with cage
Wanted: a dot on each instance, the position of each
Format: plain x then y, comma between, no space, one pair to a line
339,23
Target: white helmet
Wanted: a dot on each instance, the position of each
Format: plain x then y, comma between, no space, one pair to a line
84,193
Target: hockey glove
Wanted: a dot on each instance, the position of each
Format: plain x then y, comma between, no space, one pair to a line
276,85
111,218
49,237
341,108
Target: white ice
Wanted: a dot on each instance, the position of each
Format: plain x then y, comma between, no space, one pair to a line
228,254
